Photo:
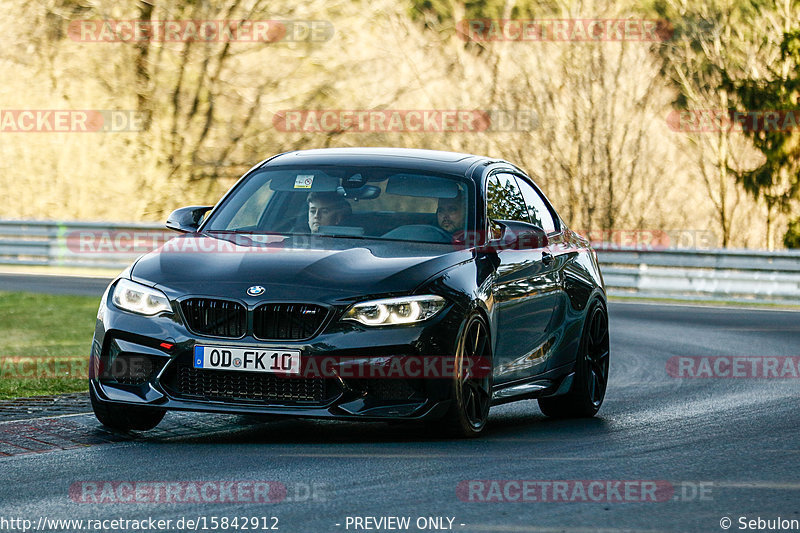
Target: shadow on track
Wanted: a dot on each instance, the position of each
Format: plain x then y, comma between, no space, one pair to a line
218,429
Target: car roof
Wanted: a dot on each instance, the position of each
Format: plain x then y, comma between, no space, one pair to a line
433,160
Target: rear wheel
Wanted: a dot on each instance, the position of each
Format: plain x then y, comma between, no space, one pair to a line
125,418
591,371
472,381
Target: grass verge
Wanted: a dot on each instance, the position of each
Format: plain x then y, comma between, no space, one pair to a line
777,306
45,343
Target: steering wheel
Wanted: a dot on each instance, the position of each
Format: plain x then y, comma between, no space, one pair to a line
423,232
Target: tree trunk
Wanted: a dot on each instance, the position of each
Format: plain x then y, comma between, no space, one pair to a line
143,100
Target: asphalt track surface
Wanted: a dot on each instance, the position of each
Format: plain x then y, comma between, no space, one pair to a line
726,447
54,284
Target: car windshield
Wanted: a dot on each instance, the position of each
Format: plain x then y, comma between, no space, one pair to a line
350,202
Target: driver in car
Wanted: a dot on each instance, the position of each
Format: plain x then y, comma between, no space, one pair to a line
326,209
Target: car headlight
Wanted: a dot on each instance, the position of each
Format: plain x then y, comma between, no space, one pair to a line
389,311
138,298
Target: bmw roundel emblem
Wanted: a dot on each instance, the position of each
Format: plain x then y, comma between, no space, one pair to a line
255,290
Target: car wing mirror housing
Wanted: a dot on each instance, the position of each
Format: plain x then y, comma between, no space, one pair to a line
532,239
187,219
517,236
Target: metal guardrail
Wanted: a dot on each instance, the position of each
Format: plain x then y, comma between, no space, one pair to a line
733,275
51,243
722,275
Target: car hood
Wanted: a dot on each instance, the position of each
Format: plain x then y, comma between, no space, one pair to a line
305,268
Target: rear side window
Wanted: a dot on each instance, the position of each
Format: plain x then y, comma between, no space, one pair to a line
537,208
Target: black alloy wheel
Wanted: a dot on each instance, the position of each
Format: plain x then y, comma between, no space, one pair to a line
591,371
472,382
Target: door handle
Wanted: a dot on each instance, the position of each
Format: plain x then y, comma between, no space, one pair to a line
547,258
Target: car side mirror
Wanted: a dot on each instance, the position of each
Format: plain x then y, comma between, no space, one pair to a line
532,239
187,219
517,236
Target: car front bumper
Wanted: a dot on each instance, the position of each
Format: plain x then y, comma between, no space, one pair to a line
147,362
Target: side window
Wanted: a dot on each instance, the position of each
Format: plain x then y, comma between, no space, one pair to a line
504,200
537,209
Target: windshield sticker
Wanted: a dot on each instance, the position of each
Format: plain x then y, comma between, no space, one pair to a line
303,181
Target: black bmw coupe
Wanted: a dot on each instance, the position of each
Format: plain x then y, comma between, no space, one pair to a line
362,284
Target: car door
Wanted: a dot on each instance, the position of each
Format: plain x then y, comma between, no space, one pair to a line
525,289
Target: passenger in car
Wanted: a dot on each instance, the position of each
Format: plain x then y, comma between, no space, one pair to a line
326,209
450,213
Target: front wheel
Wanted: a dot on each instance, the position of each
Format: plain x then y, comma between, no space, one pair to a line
591,371
125,418
472,381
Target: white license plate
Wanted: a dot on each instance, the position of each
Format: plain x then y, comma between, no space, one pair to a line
276,361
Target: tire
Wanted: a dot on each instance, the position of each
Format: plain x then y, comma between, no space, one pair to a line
472,384
591,371
125,418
